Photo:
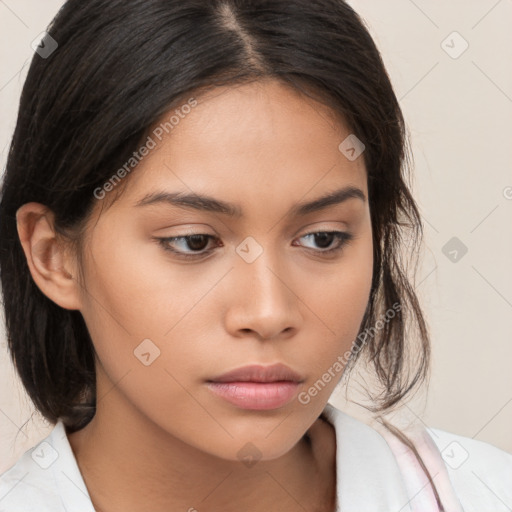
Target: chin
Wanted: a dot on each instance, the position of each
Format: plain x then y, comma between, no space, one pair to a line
255,444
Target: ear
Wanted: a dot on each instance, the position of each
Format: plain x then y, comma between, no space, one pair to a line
47,257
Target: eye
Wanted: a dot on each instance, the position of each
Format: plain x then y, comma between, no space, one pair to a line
194,245
196,242
326,239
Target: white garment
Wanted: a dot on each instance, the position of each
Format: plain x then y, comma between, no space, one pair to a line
374,473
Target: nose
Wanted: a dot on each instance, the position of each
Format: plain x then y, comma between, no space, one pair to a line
263,300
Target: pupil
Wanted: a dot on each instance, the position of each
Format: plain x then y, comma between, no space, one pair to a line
323,238
193,242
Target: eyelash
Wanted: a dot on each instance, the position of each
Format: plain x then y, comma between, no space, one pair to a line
343,238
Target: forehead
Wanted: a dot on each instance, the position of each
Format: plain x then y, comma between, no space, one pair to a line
246,143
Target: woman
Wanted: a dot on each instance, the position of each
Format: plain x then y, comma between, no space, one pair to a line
202,222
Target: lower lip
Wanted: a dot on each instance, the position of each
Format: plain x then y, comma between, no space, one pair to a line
256,395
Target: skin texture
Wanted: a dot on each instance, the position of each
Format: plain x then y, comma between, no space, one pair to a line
160,439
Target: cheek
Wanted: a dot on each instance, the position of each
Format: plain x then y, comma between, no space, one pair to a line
134,289
148,316
143,319
337,300
341,293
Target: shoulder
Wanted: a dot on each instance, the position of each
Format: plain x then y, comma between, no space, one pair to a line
469,475
45,478
27,486
480,472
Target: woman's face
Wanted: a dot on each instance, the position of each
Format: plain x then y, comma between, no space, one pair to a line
257,287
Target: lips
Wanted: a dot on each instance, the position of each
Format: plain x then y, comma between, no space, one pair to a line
257,387
256,373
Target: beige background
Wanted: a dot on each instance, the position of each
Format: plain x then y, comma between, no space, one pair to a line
459,112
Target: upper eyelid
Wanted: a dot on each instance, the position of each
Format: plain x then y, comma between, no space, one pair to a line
212,236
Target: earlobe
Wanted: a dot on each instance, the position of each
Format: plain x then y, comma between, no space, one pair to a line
46,254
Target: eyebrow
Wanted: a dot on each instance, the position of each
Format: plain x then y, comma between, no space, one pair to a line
206,203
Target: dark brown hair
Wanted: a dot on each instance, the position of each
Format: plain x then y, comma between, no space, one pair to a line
121,64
